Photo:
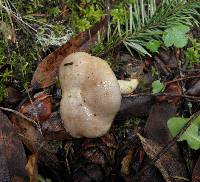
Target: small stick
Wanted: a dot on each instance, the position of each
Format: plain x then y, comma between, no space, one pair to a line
165,94
182,78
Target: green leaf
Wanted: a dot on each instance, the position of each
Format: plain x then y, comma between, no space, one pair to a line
157,87
191,135
176,36
153,45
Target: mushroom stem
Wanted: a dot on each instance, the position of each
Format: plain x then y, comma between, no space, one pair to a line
128,86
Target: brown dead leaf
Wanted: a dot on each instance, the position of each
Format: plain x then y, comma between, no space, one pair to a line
174,90
33,139
28,133
158,135
39,108
47,71
168,57
53,129
13,97
12,155
32,167
152,149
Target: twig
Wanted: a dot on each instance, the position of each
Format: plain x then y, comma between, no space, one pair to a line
171,143
182,78
161,64
165,94
10,12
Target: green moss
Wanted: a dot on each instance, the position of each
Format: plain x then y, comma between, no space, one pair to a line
192,54
84,14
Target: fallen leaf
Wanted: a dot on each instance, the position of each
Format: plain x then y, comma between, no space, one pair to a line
152,149
32,137
168,58
28,132
12,154
53,128
173,90
39,109
12,98
47,71
157,136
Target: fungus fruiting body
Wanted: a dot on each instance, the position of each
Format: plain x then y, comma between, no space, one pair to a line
91,95
128,86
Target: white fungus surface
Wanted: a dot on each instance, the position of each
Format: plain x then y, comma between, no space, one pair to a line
90,95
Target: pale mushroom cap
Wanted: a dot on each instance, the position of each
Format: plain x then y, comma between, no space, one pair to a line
90,95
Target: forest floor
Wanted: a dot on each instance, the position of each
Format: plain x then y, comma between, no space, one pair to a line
155,135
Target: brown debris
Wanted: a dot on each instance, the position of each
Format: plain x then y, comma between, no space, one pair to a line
39,109
12,154
172,91
32,137
94,159
53,129
156,130
13,97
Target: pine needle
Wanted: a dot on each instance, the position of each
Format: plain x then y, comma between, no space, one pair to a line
147,21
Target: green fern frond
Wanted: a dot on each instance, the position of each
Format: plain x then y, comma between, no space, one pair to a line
147,21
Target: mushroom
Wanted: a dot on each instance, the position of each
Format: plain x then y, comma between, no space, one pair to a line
91,95
128,86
